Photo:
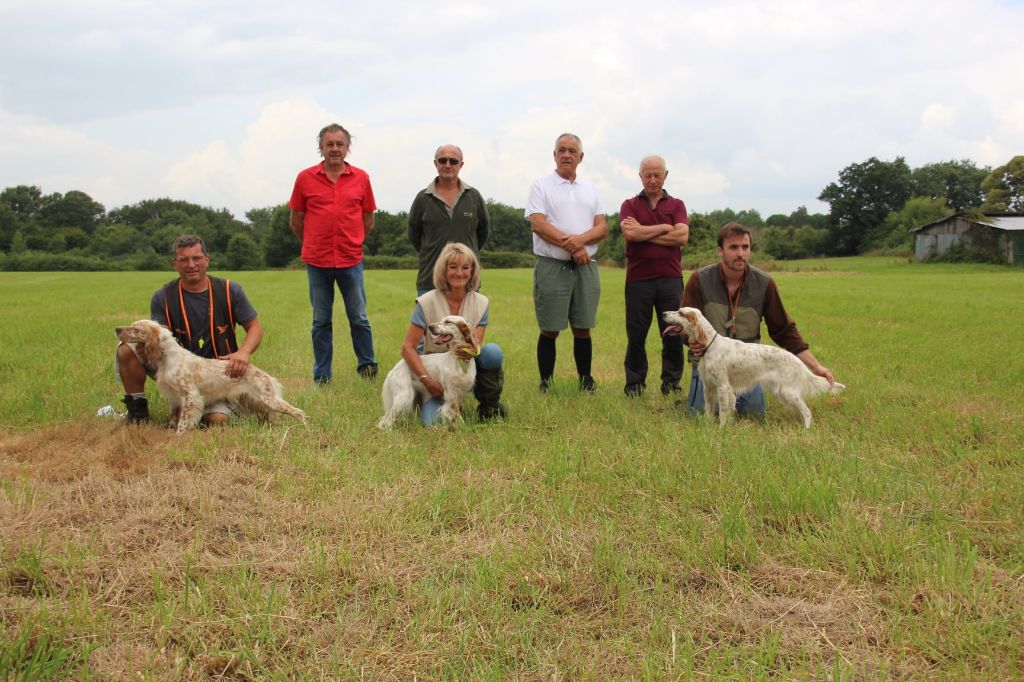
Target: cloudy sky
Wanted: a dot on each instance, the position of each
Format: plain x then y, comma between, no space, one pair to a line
753,104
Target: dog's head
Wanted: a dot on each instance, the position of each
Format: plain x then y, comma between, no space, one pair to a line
452,332
686,321
145,335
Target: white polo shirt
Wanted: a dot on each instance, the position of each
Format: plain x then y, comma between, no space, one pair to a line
569,206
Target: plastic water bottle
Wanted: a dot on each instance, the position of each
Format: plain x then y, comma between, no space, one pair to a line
108,411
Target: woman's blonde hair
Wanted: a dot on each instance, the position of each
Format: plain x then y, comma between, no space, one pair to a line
450,252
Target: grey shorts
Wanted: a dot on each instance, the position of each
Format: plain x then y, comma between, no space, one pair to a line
565,294
221,407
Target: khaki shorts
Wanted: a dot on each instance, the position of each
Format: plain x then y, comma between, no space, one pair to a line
565,294
221,407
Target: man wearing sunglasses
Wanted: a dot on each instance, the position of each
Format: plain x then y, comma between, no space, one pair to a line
447,210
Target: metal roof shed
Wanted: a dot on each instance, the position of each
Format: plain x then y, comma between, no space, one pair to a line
1005,230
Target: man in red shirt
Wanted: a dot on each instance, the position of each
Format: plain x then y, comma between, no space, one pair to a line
332,209
655,225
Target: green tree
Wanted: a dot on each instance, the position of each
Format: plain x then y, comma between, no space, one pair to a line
703,233
74,209
801,217
510,231
23,200
862,199
390,236
915,213
281,246
243,253
18,243
116,241
957,182
750,218
215,226
73,237
786,243
1004,188
613,247
9,224
259,222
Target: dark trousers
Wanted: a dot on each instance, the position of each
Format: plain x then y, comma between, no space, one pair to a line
643,299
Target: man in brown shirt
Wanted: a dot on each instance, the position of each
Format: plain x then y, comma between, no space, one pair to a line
735,297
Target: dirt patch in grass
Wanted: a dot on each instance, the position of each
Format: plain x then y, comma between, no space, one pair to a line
70,451
813,611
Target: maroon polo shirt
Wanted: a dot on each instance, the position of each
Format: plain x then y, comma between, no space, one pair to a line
332,232
646,260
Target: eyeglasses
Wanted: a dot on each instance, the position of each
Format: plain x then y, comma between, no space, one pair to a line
451,162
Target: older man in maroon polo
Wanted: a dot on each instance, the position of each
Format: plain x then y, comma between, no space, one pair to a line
655,226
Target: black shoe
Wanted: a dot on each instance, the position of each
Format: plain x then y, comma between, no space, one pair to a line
322,383
634,390
668,388
489,411
138,410
545,384
368,371
587,384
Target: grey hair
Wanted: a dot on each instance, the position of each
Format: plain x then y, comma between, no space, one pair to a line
332,128
187,241
653,157
573,136
436,151
450,252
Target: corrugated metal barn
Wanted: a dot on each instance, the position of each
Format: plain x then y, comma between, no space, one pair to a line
1003,230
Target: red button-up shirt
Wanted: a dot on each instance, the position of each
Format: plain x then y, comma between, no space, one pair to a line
332,232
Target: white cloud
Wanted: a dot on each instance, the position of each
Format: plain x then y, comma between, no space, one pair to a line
754,105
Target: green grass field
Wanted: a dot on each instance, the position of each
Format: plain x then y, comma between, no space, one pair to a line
588,537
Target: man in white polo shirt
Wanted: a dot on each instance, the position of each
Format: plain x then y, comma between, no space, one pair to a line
568,221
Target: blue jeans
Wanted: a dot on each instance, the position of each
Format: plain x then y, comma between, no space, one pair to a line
490,357
321,297
749,404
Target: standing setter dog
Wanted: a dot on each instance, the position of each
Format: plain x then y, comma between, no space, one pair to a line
729,366
402,390
189,382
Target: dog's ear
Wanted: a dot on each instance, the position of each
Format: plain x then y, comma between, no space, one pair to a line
467,334
151,346
698,329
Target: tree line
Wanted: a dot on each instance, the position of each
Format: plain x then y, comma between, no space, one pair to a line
873,206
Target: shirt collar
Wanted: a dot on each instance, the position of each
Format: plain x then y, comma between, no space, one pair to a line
664,194
432,187
562,180
345,171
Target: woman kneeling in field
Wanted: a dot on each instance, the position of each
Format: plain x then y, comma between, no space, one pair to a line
456,280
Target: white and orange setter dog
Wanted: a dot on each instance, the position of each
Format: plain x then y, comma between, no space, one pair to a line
729,366
189,382
402,389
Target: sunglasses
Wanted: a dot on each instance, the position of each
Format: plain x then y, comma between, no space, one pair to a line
451,162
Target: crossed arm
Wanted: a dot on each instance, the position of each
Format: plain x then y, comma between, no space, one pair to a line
573,243
663,235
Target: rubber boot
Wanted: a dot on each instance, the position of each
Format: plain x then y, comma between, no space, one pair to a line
138,409
487,389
